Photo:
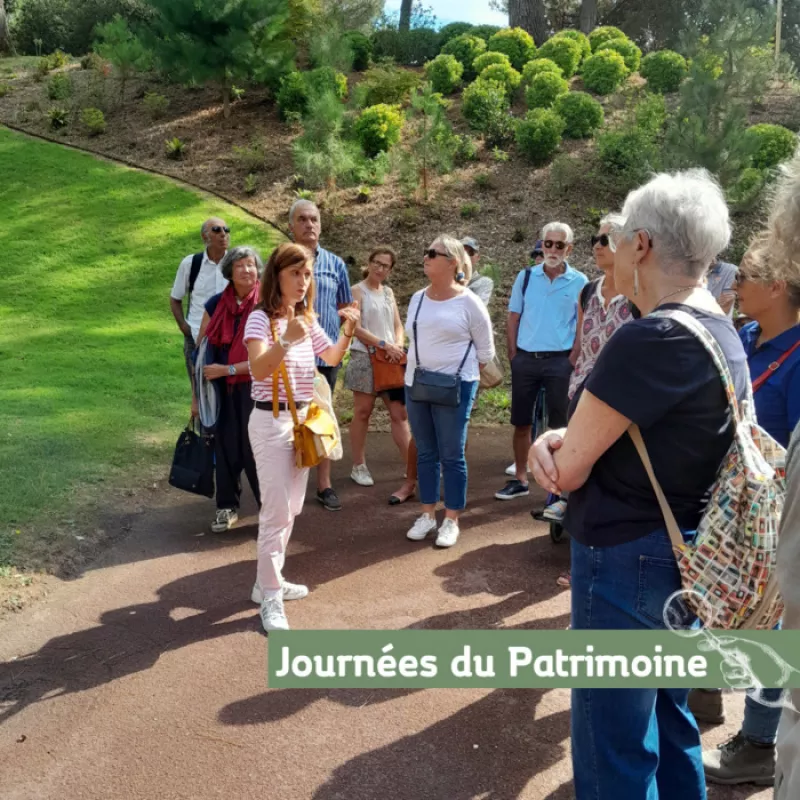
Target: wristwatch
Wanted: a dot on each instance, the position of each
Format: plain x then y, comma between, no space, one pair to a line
382,344
286,345
232,369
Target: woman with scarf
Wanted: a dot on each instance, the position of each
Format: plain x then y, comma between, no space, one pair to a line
223,324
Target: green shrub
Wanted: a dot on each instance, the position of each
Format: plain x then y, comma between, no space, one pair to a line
650,114
251,157
58,117
664,71
539,134
486,59
466,49
378,128
411,48
93,61
57,59
59,87
580,38
606,33
582,114
545,89
444,73
565,52
465,149
485,32
250,184
174,148
770,144
5,88
94,121
386,84
537,67
604,72
326,79
631,54
361,49
452,30
504,74
516,43
470,210
747,189
482,99
629,154
155,104
292,96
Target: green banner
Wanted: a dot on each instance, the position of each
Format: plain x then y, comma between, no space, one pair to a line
533,659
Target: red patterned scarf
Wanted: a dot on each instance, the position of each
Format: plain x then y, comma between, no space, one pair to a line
221,327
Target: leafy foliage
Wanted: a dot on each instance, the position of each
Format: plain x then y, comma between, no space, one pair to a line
59,87
119,45
465,150
485,59
516,43
770,144
94,121
565,52
466,49
627,49
481,100
378,128
175,148
485,32
444,73
386,84
605,33
538,66
582,114
251,157
664,71
604,72
504,74
155,104
539,134
58,116
581,38
411,48
361,49
545,89
292,96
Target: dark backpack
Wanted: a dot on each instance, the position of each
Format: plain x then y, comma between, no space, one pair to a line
197,262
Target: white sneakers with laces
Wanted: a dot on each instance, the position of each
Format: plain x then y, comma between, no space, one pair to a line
361,475
273,617
421,528
291,591
448,533
425,524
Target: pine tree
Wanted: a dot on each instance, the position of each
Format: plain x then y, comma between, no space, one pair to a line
119,45
5,36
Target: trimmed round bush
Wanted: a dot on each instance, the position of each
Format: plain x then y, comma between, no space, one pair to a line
378,128
604,72
537,67
466,49
361,48
516,43
545,89
539,134
564,52
582,114
605,33
485,32
292,96
454,29
486,59
482,100
326,79
580,38
630,53
664,71
444,73
94,121
771,144
504,74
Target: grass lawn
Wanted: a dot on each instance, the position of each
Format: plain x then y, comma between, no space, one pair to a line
93,390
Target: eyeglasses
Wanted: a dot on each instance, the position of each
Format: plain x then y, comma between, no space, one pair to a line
431,254
616,236
602,240
220,228
380,264
549,244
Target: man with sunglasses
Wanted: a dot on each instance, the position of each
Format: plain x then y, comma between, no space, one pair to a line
541,327
199,277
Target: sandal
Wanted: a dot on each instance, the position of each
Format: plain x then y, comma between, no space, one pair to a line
565,580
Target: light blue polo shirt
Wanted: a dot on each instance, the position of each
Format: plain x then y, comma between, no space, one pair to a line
550,315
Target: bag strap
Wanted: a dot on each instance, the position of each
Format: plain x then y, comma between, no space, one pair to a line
197,262
525,281
773,367
414,328
281,370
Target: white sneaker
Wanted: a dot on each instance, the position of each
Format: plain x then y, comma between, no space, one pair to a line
555,511
226,518
273,617
511,470
360,474
421,528
291,591
448,533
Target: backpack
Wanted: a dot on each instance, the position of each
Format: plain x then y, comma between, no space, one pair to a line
197,262
728,571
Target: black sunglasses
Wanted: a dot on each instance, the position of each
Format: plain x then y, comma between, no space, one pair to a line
549,243
431,254
220,228
602,240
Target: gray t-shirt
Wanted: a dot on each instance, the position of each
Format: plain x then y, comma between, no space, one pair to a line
721,277
789,538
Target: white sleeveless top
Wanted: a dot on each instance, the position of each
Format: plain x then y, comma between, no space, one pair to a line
377,315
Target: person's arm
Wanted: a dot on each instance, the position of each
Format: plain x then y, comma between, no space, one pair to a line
576,346
481,332
264,359
512,330
179,288
334,354
399,330
176,307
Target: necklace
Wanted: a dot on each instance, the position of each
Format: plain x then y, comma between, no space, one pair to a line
677,291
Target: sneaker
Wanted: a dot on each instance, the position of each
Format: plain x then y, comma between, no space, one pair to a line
273,617
707,706
360,474
555,511
740,761
421,528
329,500
226,518
448,533
512,489
511,470
291,591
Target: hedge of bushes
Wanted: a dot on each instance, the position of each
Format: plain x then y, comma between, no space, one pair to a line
564,52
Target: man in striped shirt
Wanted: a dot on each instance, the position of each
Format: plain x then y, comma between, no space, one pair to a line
332,293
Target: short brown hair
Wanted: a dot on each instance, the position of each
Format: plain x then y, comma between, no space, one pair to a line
376,252
285,256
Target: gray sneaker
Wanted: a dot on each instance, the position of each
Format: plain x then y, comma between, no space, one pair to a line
226,518
707,706
740,761
273,617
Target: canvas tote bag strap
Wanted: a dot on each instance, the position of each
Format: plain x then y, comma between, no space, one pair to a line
414,328
675,535
285,375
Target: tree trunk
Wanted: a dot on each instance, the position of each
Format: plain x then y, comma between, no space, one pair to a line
530,16
588,15
5,36
405,15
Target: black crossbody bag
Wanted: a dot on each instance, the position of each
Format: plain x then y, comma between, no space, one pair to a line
436,388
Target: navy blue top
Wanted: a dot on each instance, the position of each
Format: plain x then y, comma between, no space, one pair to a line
778,399
657,374
218,355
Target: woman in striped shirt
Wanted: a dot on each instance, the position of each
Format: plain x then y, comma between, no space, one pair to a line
284,329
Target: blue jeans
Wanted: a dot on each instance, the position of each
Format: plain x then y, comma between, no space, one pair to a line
631,744
441,434
760,722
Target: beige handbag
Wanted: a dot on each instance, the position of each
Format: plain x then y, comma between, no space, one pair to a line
491,374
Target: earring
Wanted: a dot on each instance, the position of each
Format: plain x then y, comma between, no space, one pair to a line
635,281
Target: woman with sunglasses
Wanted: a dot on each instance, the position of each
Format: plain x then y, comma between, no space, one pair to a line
381,328
450,333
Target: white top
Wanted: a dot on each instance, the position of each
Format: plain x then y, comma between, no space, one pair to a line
377,314
445,328
209,282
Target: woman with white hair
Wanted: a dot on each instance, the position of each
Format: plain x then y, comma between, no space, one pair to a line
450,339
655,373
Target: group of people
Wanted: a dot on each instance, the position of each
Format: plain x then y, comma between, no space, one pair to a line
603,361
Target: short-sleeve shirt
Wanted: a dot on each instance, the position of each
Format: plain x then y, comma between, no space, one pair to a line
778,399
549,310
209,282
720,278
332,286
299,360
657,374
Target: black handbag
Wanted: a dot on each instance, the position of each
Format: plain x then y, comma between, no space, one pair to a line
193,462
436,388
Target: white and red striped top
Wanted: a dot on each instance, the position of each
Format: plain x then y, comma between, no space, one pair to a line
300,360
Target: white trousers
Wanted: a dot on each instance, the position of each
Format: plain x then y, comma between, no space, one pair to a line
283,491
787,776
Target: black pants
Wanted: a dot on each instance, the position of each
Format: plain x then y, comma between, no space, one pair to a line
232,446
330,374
528,375
188,350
